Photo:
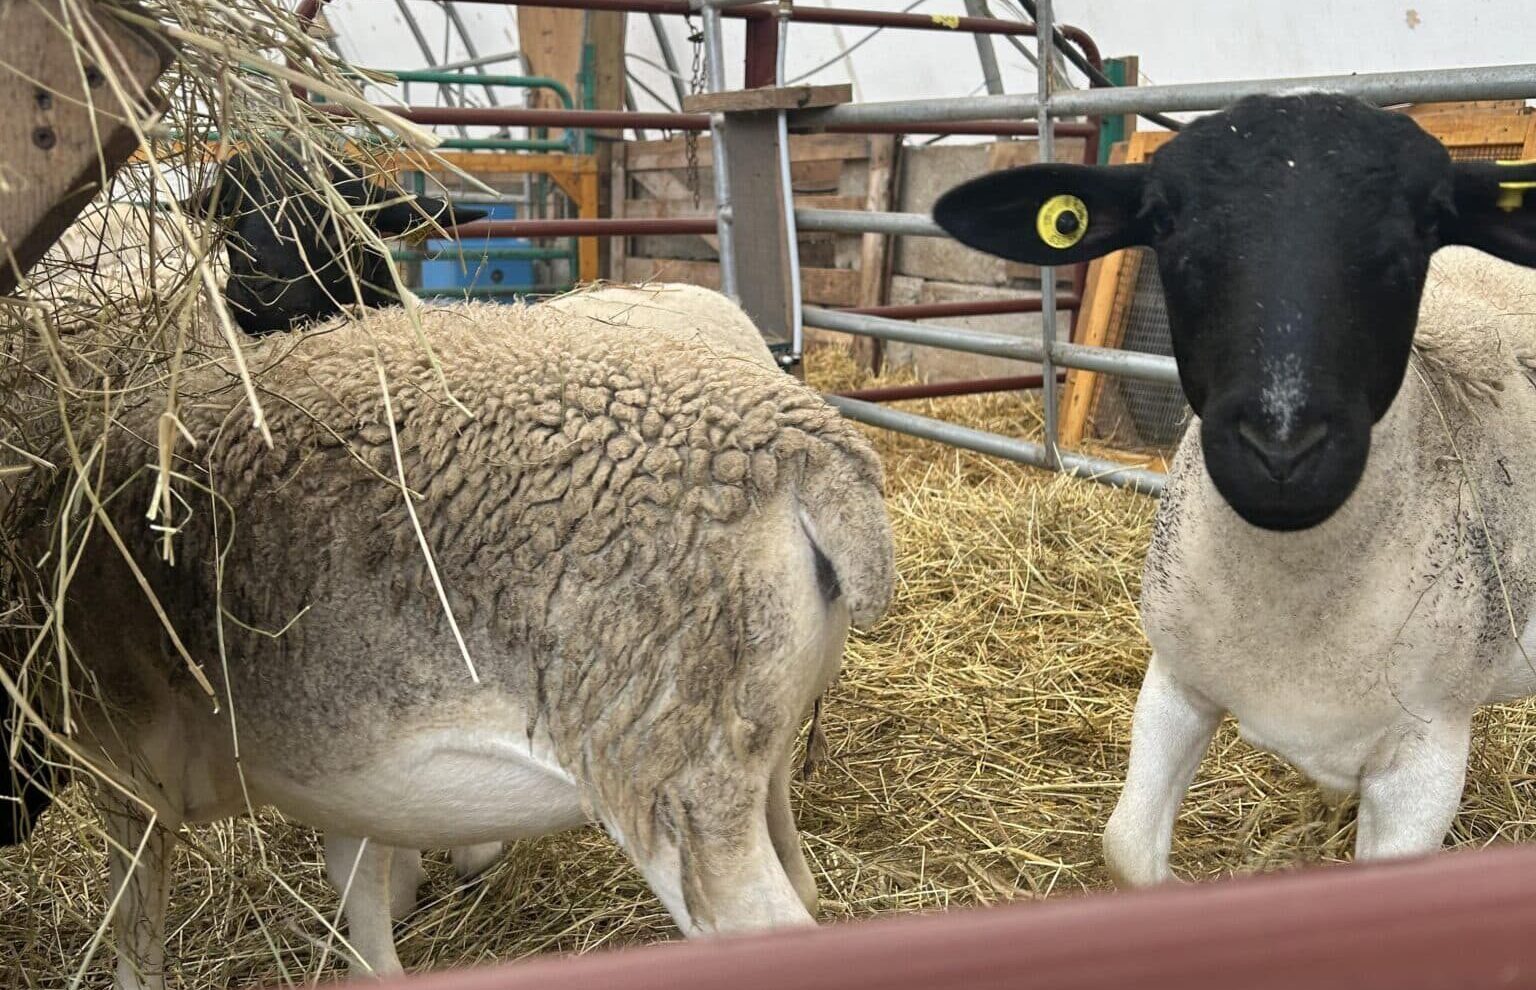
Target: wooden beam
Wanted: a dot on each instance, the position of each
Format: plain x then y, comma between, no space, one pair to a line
672,199
64,129
618,198
874,248
551,42
605,34
491,163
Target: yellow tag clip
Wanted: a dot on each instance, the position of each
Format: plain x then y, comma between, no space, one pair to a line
1062,221
951,21
1512,194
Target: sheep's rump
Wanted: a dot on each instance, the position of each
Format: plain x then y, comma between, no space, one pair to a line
701,316
617,516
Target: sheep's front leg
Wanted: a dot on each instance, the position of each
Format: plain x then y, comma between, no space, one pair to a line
362,872
1408,803
1170,731
471,861
715,868
139,852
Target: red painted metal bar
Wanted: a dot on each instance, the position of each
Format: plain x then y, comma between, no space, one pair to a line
825,15
940,390
1460,920
602,119
590,227
762,53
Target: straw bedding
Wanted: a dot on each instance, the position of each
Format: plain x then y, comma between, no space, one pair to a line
977,744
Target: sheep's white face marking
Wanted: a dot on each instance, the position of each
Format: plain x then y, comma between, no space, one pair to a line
1285,384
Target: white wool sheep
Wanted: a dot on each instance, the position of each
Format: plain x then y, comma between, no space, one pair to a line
651,561
1342,556
1358,650
710,323
701,316
117,251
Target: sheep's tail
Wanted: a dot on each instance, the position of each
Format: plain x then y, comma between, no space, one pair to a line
843,512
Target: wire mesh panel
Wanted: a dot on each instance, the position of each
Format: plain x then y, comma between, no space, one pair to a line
1147,418
1140,416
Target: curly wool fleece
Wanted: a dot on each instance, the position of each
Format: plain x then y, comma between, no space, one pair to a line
619,524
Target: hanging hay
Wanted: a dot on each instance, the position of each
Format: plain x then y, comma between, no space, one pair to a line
977,744
123,303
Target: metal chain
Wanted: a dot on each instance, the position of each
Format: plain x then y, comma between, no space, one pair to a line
695,85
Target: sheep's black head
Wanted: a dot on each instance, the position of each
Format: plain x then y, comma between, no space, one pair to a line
290,260
27,783
1293,235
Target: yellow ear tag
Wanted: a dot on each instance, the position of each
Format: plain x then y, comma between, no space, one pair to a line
1512,194
1062,221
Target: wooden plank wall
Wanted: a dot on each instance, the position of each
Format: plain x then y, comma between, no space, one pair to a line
828,171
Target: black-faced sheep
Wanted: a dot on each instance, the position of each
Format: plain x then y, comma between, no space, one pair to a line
650,558
291,259
1343,556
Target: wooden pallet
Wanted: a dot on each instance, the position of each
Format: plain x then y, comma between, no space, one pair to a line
828,171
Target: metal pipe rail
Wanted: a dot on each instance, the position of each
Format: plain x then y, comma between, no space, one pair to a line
837,221
977,307
863,222
995,444
1127,364
1433,85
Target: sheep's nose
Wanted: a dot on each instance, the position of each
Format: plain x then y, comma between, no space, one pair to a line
1282,456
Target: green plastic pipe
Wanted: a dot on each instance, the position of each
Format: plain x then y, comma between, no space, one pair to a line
457,79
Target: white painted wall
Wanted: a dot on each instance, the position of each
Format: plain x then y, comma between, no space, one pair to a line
1178,41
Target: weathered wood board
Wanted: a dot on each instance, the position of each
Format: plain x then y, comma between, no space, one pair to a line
64,130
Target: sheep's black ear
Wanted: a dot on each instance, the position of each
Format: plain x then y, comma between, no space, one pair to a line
1495,210
396,218
1053,214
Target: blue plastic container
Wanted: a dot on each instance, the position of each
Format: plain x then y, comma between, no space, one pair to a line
461,265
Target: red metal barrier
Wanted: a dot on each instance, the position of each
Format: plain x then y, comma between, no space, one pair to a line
1462,921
